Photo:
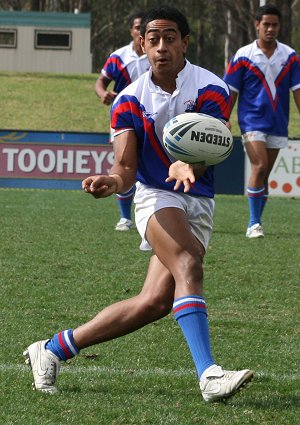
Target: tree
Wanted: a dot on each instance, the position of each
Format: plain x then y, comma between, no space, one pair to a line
218,28
285,7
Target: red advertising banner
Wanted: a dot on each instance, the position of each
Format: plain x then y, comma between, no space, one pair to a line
58,158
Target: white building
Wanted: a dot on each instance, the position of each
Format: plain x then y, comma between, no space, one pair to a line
45,42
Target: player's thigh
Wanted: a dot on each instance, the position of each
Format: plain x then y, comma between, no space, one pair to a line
257,153
172,240
272,156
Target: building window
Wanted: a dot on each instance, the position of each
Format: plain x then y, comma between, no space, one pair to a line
8,38
61,40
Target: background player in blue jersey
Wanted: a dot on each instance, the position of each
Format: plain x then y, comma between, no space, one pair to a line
123,67
261,75
174,221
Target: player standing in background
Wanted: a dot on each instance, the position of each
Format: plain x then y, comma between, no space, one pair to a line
123,67
175,225
261,75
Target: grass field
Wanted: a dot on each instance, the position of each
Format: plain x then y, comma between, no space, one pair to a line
62,102
61,262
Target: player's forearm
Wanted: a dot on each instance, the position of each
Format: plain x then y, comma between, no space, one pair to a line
125,160
101,86
234,96
100,90
296,94
124,177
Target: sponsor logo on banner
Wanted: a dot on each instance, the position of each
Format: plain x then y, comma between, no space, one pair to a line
53,156
284,179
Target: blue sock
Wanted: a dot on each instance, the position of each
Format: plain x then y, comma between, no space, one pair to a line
125,202
63,345
264,201
255,200
191,315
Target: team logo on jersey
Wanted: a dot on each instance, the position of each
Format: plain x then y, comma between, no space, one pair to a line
190,106
149,115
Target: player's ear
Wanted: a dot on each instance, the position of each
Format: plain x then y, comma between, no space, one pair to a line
185,43
142,43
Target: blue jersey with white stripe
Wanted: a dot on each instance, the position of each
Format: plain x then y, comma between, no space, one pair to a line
145,108
264,86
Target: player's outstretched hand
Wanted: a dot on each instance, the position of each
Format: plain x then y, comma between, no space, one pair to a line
99,186
183,174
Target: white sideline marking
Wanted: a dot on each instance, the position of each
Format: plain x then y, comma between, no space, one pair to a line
70,369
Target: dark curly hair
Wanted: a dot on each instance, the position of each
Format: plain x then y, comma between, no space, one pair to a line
165,12
267,9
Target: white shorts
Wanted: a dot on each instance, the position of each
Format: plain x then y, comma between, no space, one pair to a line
199,211
272,142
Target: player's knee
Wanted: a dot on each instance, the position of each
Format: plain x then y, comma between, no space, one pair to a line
189,272
261,170
157,306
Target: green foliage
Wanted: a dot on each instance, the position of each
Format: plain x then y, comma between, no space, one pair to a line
208,22
61,262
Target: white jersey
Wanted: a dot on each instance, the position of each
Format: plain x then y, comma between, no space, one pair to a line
145,108
124,66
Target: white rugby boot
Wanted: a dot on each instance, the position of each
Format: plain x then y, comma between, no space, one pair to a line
255,231
44,365
217,384
124,224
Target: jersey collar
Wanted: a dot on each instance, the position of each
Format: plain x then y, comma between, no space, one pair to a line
182,75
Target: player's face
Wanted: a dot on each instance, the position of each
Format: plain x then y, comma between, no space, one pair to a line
135,30
268,28
164,47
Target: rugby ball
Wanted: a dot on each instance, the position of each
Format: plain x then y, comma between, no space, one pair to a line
197,139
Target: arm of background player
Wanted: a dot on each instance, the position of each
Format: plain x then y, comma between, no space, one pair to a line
122,175
234,96
104,95
296,94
